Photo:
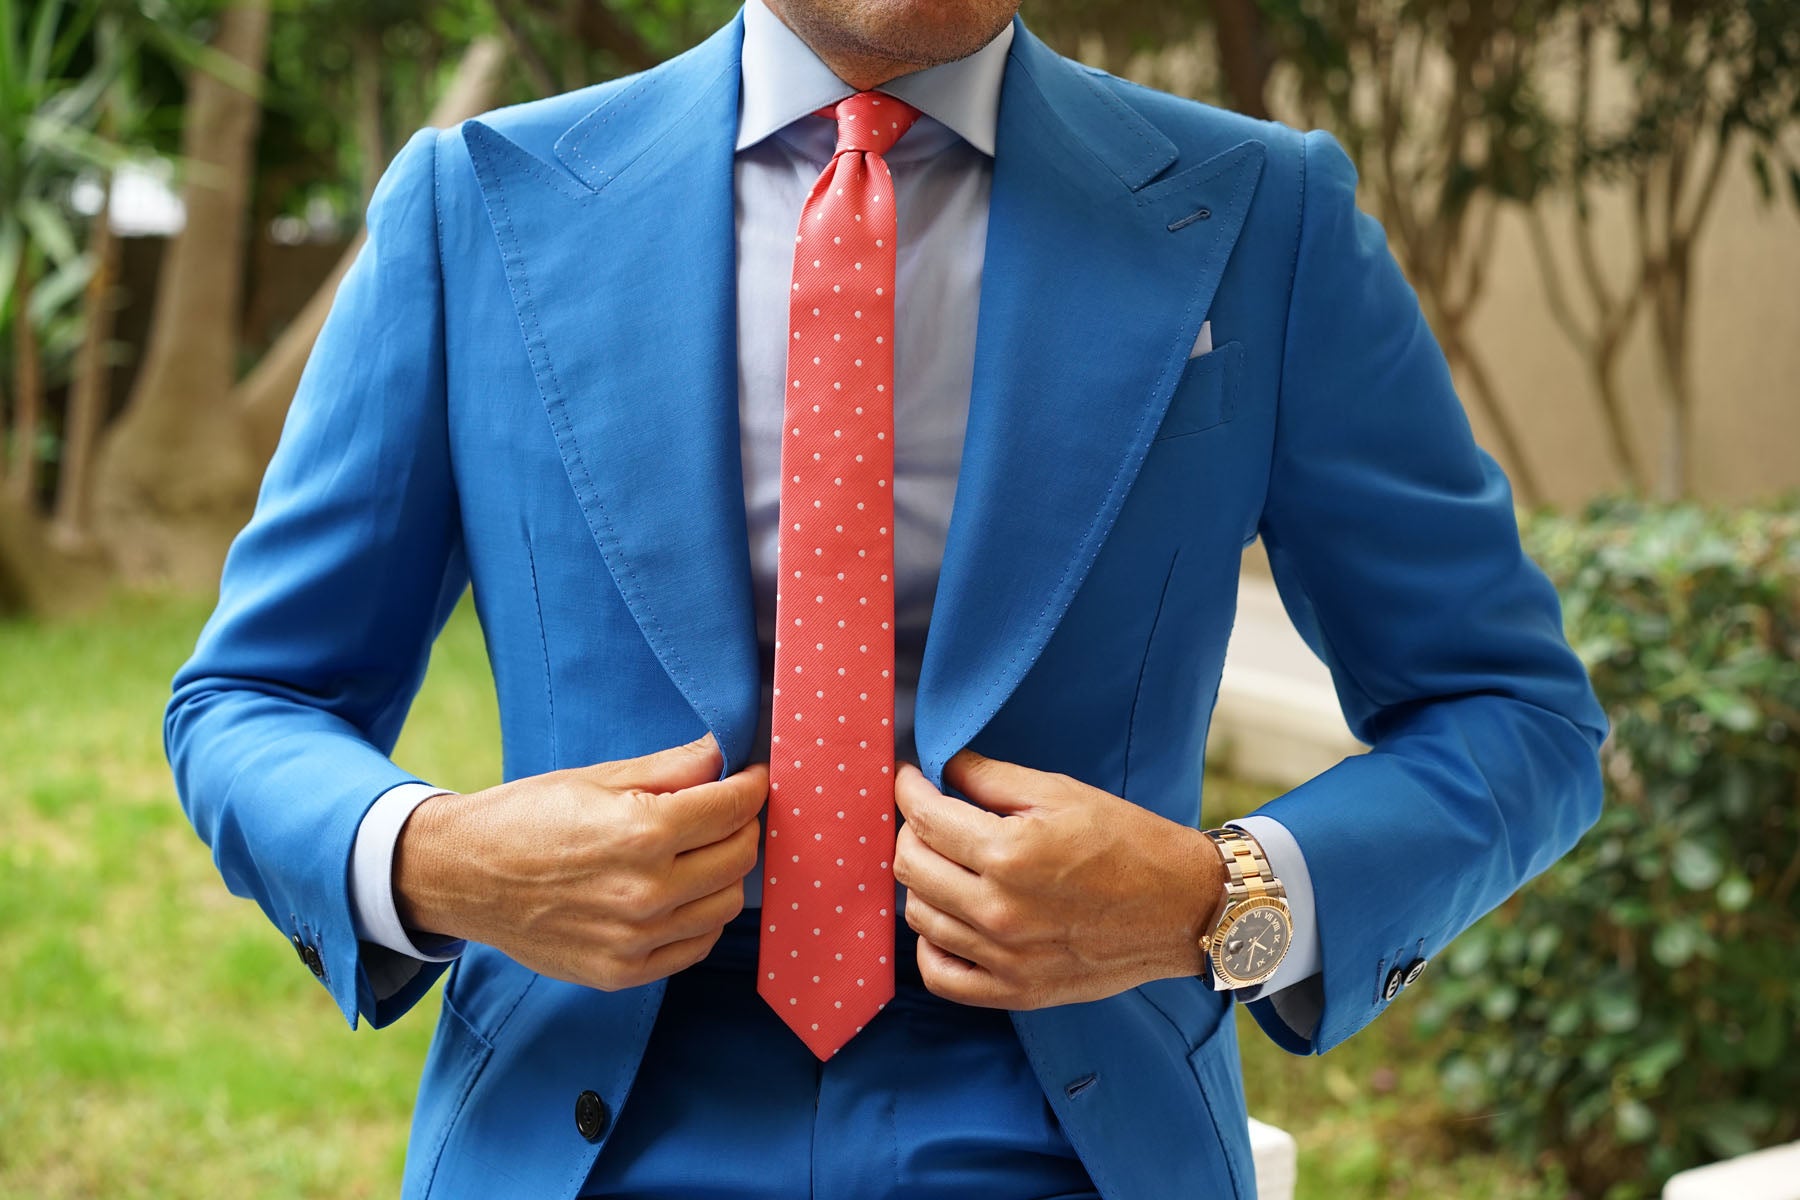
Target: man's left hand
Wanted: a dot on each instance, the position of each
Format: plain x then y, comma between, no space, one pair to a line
1051,891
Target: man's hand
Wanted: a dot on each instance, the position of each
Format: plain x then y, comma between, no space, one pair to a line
1051,892
610,876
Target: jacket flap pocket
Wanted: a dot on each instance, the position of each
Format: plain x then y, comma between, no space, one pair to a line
1206,393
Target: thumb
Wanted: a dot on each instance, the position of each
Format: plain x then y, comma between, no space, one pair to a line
669,770
995,784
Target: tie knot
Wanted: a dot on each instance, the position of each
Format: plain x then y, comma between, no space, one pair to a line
870,121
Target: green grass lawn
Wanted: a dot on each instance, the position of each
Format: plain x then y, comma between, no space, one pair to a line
158,1038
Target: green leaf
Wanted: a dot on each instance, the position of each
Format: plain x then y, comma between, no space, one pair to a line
1735,893
1615,1010
1675,944
1729,709
1500,1004
49,230
56,292
1542,944
1634,1121
12,244
1649,1066
1695,866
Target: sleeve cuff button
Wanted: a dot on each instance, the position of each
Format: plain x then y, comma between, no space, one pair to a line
1396,979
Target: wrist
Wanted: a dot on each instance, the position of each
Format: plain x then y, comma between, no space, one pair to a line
1203,894
426,893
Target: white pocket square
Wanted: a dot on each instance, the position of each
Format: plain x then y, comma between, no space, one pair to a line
1203,343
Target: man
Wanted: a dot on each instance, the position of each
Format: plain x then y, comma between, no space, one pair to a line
850,429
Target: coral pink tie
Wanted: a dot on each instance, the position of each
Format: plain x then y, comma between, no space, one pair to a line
825,960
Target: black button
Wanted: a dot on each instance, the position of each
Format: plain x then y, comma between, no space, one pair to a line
1414,969
310,955
591,1116
299,947
1395,981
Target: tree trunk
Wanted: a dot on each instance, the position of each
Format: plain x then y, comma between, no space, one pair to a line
1244,59
265,393
175,477
88,394
34,577
28,390
371,143
1671,309
1603,371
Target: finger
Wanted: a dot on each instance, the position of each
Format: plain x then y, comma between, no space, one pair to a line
948,932
954,828
945,884
704,914
667,959
995,784
666,770
710,812
955,979
706,869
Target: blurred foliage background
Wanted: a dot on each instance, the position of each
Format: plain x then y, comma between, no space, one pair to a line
1598,202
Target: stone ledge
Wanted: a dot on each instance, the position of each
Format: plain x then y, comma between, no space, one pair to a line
1772,1174
1277,1161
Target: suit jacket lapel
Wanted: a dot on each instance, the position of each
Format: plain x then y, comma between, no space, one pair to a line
1094,286
622,272
1097,276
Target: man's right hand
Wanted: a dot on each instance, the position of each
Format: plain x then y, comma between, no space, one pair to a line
610,876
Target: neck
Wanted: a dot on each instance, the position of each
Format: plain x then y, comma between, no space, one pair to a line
857,66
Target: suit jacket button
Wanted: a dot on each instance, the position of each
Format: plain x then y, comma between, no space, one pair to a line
591,1115
310,955
1414,969
1395,981
299,947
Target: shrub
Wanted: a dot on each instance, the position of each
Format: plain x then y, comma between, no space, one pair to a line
1633,1011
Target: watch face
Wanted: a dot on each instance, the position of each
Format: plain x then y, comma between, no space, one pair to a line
1254,943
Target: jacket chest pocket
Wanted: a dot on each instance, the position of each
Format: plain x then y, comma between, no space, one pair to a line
1206,394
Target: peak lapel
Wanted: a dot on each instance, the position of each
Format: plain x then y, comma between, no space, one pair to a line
1093,289
622,272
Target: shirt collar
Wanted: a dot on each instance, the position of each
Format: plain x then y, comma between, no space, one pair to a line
784,81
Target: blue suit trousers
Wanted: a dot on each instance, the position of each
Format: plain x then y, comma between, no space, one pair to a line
933,1100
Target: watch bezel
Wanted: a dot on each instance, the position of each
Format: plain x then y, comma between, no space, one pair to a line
1234,911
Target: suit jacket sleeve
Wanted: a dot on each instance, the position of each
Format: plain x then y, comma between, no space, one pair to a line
280,724
1395,547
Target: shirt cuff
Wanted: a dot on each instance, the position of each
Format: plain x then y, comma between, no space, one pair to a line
372,877
1295,990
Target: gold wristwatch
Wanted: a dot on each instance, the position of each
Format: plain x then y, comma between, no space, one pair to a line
1250,936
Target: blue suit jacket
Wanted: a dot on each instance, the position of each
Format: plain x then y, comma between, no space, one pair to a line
528,382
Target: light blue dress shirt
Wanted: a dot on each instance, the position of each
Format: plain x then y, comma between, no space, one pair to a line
942,170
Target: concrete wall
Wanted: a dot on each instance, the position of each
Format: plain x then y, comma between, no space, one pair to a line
1746,351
